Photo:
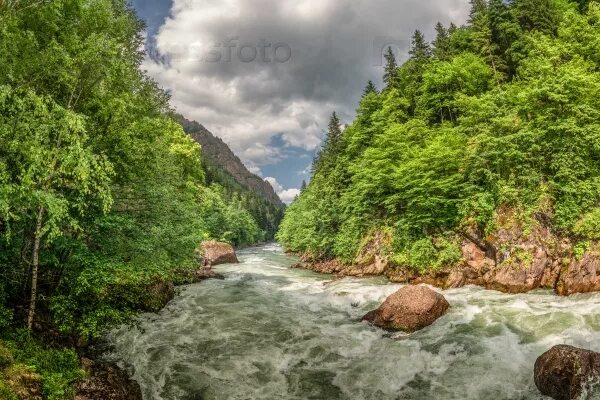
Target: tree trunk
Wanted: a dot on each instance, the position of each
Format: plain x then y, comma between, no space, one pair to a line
35,264
494,67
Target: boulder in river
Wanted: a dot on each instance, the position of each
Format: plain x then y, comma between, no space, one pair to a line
566,372
409,309
215,253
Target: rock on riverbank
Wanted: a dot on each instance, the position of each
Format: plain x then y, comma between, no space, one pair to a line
106,382
214,253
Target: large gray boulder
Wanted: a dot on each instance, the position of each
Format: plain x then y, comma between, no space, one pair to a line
409,309
566,372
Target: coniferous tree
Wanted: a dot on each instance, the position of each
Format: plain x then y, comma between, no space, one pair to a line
452,28
420,51
330,149
334,132
441,44
412,72
479,19
506,32
371,88
537,15
390,77
477,7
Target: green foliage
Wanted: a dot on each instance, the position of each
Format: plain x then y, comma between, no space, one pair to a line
88,149
244,202
581,248
589,225
230,222
446,82
505,114
57,369
425,254
539,15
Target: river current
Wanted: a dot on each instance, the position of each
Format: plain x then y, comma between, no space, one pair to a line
272,332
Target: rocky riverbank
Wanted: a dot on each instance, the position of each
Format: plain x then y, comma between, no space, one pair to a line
512,260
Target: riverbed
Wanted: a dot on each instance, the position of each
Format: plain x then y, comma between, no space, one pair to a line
272,332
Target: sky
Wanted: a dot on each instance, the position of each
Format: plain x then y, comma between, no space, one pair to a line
265,75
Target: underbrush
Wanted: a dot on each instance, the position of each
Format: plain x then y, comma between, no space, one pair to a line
33,371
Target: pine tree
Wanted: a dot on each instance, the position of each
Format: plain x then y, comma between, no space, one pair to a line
505,32
303,186
452,29
390,74
441,44
316,162
537,15
479,19
420,51
478,7
334,133
371,88
327,156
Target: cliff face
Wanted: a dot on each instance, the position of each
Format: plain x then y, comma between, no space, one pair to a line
218,154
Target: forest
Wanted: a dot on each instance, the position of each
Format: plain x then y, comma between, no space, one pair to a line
102,194
500,114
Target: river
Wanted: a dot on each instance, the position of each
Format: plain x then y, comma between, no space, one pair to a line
271,332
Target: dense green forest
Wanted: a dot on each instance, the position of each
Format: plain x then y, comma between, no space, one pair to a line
101,191
266,214
502,113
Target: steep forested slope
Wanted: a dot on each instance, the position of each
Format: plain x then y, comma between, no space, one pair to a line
481,153
239,185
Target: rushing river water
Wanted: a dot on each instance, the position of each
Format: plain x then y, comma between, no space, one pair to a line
271,332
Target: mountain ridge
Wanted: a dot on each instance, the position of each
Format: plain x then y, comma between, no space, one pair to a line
218,153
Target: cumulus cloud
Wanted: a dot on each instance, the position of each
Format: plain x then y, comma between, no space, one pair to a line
286,195
334,47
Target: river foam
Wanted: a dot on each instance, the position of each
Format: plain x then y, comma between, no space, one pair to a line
271,332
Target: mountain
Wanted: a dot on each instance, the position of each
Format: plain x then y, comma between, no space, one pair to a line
238,185
217,153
